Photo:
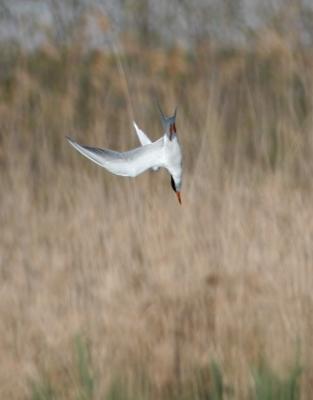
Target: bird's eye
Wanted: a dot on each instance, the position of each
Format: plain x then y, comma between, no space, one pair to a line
173,184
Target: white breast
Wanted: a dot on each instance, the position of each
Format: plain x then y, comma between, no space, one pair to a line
173,158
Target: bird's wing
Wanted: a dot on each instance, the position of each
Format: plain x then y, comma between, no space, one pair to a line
128,163
143,138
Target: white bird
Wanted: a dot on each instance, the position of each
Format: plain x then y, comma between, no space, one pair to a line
163,153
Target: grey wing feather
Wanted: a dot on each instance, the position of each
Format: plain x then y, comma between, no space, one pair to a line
129,163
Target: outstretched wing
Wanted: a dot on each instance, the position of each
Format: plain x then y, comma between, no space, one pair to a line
129,163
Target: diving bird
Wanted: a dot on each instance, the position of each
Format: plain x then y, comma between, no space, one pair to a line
163,153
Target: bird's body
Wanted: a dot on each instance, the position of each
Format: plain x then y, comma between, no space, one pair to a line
163,153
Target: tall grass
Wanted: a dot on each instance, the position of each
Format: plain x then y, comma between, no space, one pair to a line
158,289
208,384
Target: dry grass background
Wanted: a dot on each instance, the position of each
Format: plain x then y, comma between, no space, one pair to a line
157,289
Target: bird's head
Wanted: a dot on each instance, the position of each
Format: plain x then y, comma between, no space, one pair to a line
169,123
176,187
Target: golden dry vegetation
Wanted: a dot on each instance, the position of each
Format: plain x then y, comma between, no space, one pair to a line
157,290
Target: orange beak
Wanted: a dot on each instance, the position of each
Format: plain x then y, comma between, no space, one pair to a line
178,197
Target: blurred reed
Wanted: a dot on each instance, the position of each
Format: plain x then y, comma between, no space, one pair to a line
157,289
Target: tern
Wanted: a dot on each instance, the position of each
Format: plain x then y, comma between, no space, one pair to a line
163,153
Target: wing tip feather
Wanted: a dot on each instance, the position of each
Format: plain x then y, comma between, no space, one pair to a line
69,139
